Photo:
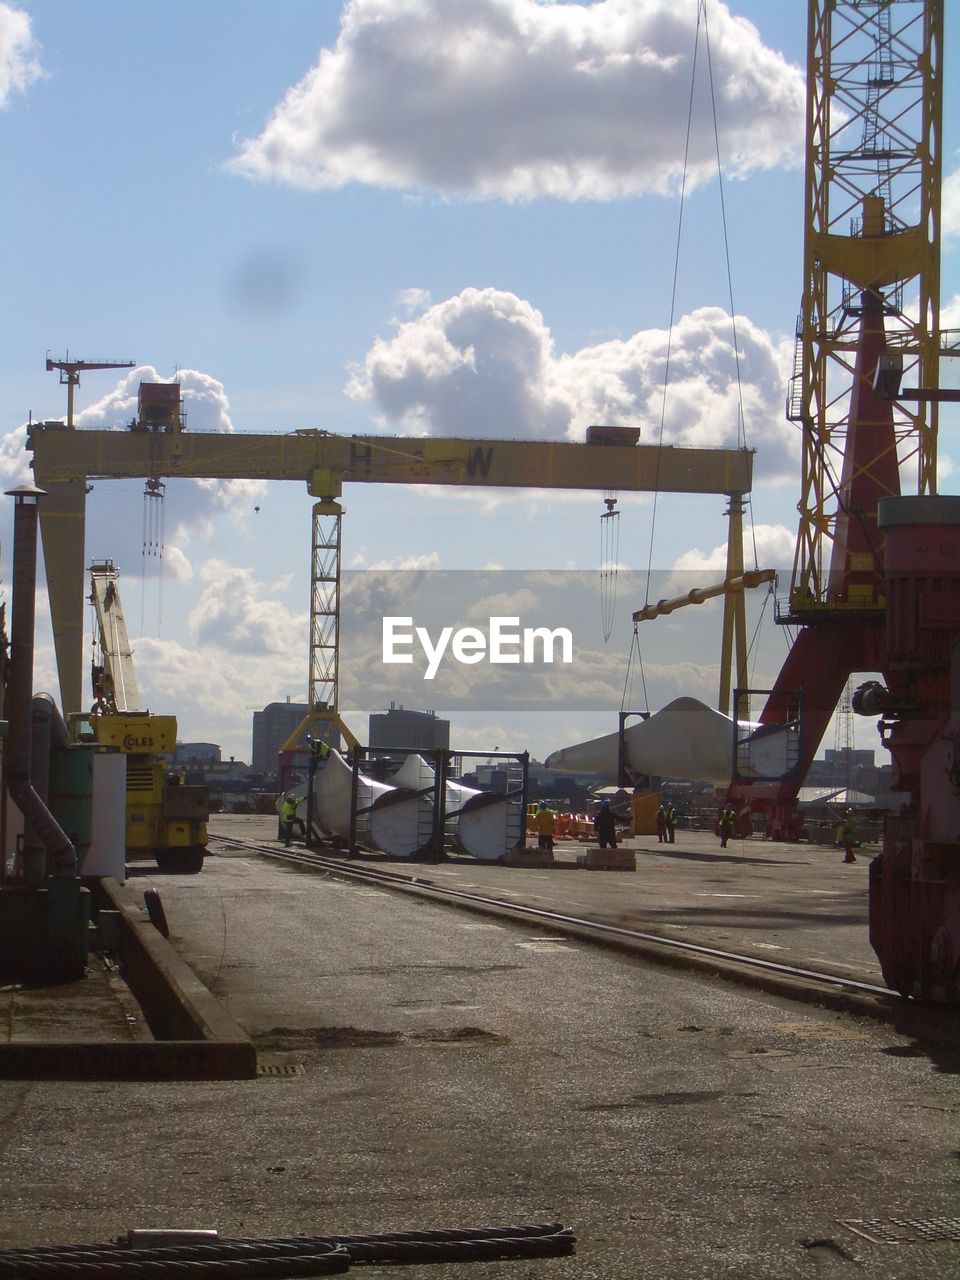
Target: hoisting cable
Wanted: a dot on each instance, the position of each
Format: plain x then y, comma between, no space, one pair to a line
741,420
153,541
609,561
756,631
673,307
280,1257
627,697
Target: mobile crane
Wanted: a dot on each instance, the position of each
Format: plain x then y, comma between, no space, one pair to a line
165,821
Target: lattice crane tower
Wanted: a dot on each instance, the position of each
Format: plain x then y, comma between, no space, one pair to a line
871,280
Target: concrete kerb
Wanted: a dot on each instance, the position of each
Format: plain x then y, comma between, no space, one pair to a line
195,1038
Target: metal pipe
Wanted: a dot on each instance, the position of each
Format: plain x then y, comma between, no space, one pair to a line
46,712
61,855
700,595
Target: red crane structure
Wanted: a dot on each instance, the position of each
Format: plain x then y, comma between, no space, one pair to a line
876,579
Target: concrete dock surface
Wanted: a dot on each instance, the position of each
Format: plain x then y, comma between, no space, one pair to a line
424,1067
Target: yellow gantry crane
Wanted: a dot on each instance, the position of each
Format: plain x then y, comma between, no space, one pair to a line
64,460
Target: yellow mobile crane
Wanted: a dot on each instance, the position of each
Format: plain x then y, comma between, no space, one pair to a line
166,821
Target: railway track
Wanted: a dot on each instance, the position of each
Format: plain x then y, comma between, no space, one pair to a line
792,980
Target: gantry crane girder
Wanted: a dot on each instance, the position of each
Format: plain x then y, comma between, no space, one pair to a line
64,461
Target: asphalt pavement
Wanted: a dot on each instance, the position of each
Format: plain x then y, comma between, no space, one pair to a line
795,904
424,1068
798,904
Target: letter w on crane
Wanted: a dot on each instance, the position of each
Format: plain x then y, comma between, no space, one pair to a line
479,460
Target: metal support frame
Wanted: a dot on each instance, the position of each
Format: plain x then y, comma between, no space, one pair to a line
791,714
518,796
625,776
434,846
447,765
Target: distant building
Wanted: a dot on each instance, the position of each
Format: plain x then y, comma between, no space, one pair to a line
846,767
271,728
401,730
197,753
858,759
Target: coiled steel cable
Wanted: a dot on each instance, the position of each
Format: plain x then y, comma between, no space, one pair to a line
222,1260
249,1259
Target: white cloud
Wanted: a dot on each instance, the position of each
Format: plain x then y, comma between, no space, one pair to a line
206,408
236,613
14,459
177,564
211,690
623,381
950,313
517,99
412,301
483,363
775,546
503,605
476,364
19,66
426,560
205,401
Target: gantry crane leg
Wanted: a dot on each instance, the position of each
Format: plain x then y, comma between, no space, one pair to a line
62,530
820,661
734,636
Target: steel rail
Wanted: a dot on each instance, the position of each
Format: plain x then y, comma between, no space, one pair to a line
556,919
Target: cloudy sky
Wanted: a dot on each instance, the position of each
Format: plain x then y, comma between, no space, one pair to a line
451,217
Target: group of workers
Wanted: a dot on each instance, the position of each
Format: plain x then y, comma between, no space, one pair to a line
604,827
666,823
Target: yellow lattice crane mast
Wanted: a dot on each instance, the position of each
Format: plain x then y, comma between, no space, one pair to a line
871,287
871,283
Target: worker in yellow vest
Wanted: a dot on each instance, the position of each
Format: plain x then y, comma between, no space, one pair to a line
847,836
546,826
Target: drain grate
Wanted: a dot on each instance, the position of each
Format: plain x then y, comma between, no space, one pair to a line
280,1069
904,1230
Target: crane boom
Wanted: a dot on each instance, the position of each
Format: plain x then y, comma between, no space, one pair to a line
70,371
117,685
